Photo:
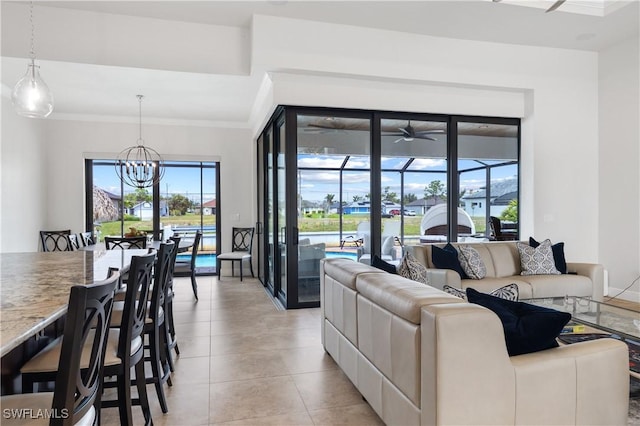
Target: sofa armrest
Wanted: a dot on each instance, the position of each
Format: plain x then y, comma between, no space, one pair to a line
593,271
439,277
590,383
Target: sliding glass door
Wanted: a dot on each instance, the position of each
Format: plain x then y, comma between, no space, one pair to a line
356,184
184,201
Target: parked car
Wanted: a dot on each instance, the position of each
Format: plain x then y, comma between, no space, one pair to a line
409,212
395,212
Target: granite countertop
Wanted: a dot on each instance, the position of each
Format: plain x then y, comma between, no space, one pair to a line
34,287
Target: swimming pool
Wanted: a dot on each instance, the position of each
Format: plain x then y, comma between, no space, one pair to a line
208,260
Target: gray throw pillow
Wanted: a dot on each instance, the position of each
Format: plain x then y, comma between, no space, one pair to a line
538,260
412,269
471,262
508,292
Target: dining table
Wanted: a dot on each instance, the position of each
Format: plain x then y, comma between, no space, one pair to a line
183,246
34,292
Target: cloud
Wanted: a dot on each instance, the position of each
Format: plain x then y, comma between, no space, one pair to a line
320,162
426,163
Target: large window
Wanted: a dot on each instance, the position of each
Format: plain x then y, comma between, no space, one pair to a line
356,184
185,200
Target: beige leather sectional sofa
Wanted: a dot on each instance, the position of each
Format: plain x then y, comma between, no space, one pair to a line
502,261
420,356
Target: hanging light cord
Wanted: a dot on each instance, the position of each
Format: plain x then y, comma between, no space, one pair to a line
140,140
32,54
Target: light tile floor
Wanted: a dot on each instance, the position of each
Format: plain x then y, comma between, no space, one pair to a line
243,362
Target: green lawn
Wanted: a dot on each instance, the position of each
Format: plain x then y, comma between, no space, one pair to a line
328,223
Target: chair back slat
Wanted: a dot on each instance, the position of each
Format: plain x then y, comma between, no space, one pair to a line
242,239
160,279
89,314
125,243
86,239
55,240
135,302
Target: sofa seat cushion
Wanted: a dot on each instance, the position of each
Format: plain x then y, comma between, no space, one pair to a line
345,271
487,285
559,285
401,296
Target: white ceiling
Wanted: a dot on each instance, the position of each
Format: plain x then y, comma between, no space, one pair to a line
180,97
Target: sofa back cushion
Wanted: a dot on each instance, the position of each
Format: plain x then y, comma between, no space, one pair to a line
505,258
345,271
400,296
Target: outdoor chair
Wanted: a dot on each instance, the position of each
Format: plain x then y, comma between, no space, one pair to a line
77,372
188,268
240,250
497,233
55,240
125,243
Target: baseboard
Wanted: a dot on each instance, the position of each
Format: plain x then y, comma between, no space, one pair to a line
630,295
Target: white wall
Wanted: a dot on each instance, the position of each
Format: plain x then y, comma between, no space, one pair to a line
554,91
23,191
619,167
67,141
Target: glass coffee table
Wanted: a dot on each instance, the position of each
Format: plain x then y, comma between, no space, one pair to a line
601,320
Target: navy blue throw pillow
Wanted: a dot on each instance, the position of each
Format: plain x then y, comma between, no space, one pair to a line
385,266
558,255
527,328
447,258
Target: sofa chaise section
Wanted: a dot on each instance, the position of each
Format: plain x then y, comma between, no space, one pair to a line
421,356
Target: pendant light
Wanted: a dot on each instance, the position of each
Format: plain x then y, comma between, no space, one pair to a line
139,166
31,96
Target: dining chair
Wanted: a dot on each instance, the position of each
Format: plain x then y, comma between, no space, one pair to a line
126,342
172,340
78,361
240,250
155,327
188,268
86,239
155,330
125,348
125,243
74,242
55,240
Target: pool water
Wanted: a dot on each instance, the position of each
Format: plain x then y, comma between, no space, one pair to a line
208,260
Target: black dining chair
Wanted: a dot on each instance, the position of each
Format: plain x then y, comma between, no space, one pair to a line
172,340
55,240
240,251
125,243
188,268
78,361
155,324
125,348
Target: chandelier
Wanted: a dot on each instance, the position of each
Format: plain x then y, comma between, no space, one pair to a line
31,96
139,166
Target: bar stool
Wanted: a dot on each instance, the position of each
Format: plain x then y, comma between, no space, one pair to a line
80,353
172,341
155,326
125,348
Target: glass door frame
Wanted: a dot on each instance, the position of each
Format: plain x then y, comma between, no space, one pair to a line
156,193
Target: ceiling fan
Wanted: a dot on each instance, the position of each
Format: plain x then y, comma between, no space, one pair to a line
553,7
409,133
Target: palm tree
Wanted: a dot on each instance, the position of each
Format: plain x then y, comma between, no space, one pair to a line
328,199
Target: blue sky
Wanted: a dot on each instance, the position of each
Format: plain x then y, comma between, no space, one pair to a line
315,185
